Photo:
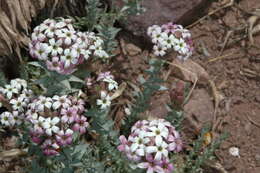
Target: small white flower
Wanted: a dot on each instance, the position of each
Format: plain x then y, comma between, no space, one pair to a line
99,52
61,101
38,36
69,36
7,119
169,42
17,117
186,33
156,36
82,39
86,53
50,125
32,116
39,122
111,83
60,24
18,83
160,150
159,121
43,102
180,46
18,104
42,50
234,151
9,91
127,111
27,95
139,142
159,51
158,132
54,47
153,29
98,42
70,57
50,31
105,100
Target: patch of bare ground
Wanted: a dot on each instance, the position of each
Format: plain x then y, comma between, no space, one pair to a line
224,50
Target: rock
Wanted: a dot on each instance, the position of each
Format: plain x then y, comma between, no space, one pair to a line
189,71
158,105
162,11
198,111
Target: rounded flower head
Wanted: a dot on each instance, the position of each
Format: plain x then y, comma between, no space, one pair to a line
171,37
54,120
150,143
62,47
15,98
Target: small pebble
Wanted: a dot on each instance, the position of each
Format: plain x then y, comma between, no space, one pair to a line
234,151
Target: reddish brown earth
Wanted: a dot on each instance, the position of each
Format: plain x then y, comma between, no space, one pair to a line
235,70
237,78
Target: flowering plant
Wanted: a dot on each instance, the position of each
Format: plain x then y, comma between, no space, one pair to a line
62,47
150,143
53,121
106,85
171,36
14,98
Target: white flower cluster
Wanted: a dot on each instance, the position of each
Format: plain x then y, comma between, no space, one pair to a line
171,36
14,97
105,101
109,79
110,85
54,120
61,47
150,143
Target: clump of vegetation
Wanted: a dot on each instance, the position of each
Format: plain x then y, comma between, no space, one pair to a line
63,109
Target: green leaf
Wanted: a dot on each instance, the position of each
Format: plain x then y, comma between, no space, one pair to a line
37,64
73,78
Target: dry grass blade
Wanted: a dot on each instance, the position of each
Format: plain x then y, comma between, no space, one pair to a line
220,57
252,20
15,21
12,153
119,92
217,166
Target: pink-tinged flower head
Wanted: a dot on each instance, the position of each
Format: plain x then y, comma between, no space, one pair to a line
124,144
179,145
166,166
150,143
169,27
69,115
151,165
64,138
105,75
79,105
51,127
133,156
59,39
171,37
54,65
139,125
50,152
50,148
80,125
